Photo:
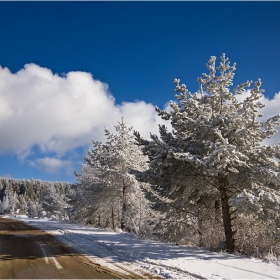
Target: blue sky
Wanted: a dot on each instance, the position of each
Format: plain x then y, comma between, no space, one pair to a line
133,51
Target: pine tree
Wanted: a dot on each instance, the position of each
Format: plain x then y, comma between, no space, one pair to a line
215,148
52,200
22,203
107,188
31,208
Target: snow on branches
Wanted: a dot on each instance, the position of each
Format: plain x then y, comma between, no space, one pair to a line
216,142
109,193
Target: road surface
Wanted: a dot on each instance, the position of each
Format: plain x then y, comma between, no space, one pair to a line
30,253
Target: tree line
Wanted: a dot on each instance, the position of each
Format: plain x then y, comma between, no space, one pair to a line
35,198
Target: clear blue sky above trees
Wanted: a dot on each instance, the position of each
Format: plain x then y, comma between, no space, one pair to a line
137,48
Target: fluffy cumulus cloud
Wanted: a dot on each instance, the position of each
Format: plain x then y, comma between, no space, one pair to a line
60,113
53,165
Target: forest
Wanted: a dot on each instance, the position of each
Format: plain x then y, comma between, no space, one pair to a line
209,182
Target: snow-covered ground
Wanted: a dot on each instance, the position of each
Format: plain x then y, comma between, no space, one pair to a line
121,251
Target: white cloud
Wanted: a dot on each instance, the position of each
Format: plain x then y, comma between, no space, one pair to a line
59,114
142,117
52,165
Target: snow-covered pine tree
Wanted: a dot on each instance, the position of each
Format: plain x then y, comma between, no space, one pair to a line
22,203
12,197
4,204
107,189
52,201
216,146
31,208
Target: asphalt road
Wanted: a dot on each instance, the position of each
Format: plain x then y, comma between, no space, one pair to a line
30,253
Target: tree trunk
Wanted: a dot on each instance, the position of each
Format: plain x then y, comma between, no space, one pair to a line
199,227
113,218
217,212
99,221
229,233
140,217
124,207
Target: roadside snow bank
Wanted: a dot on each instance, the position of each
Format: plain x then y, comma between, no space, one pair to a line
125,251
